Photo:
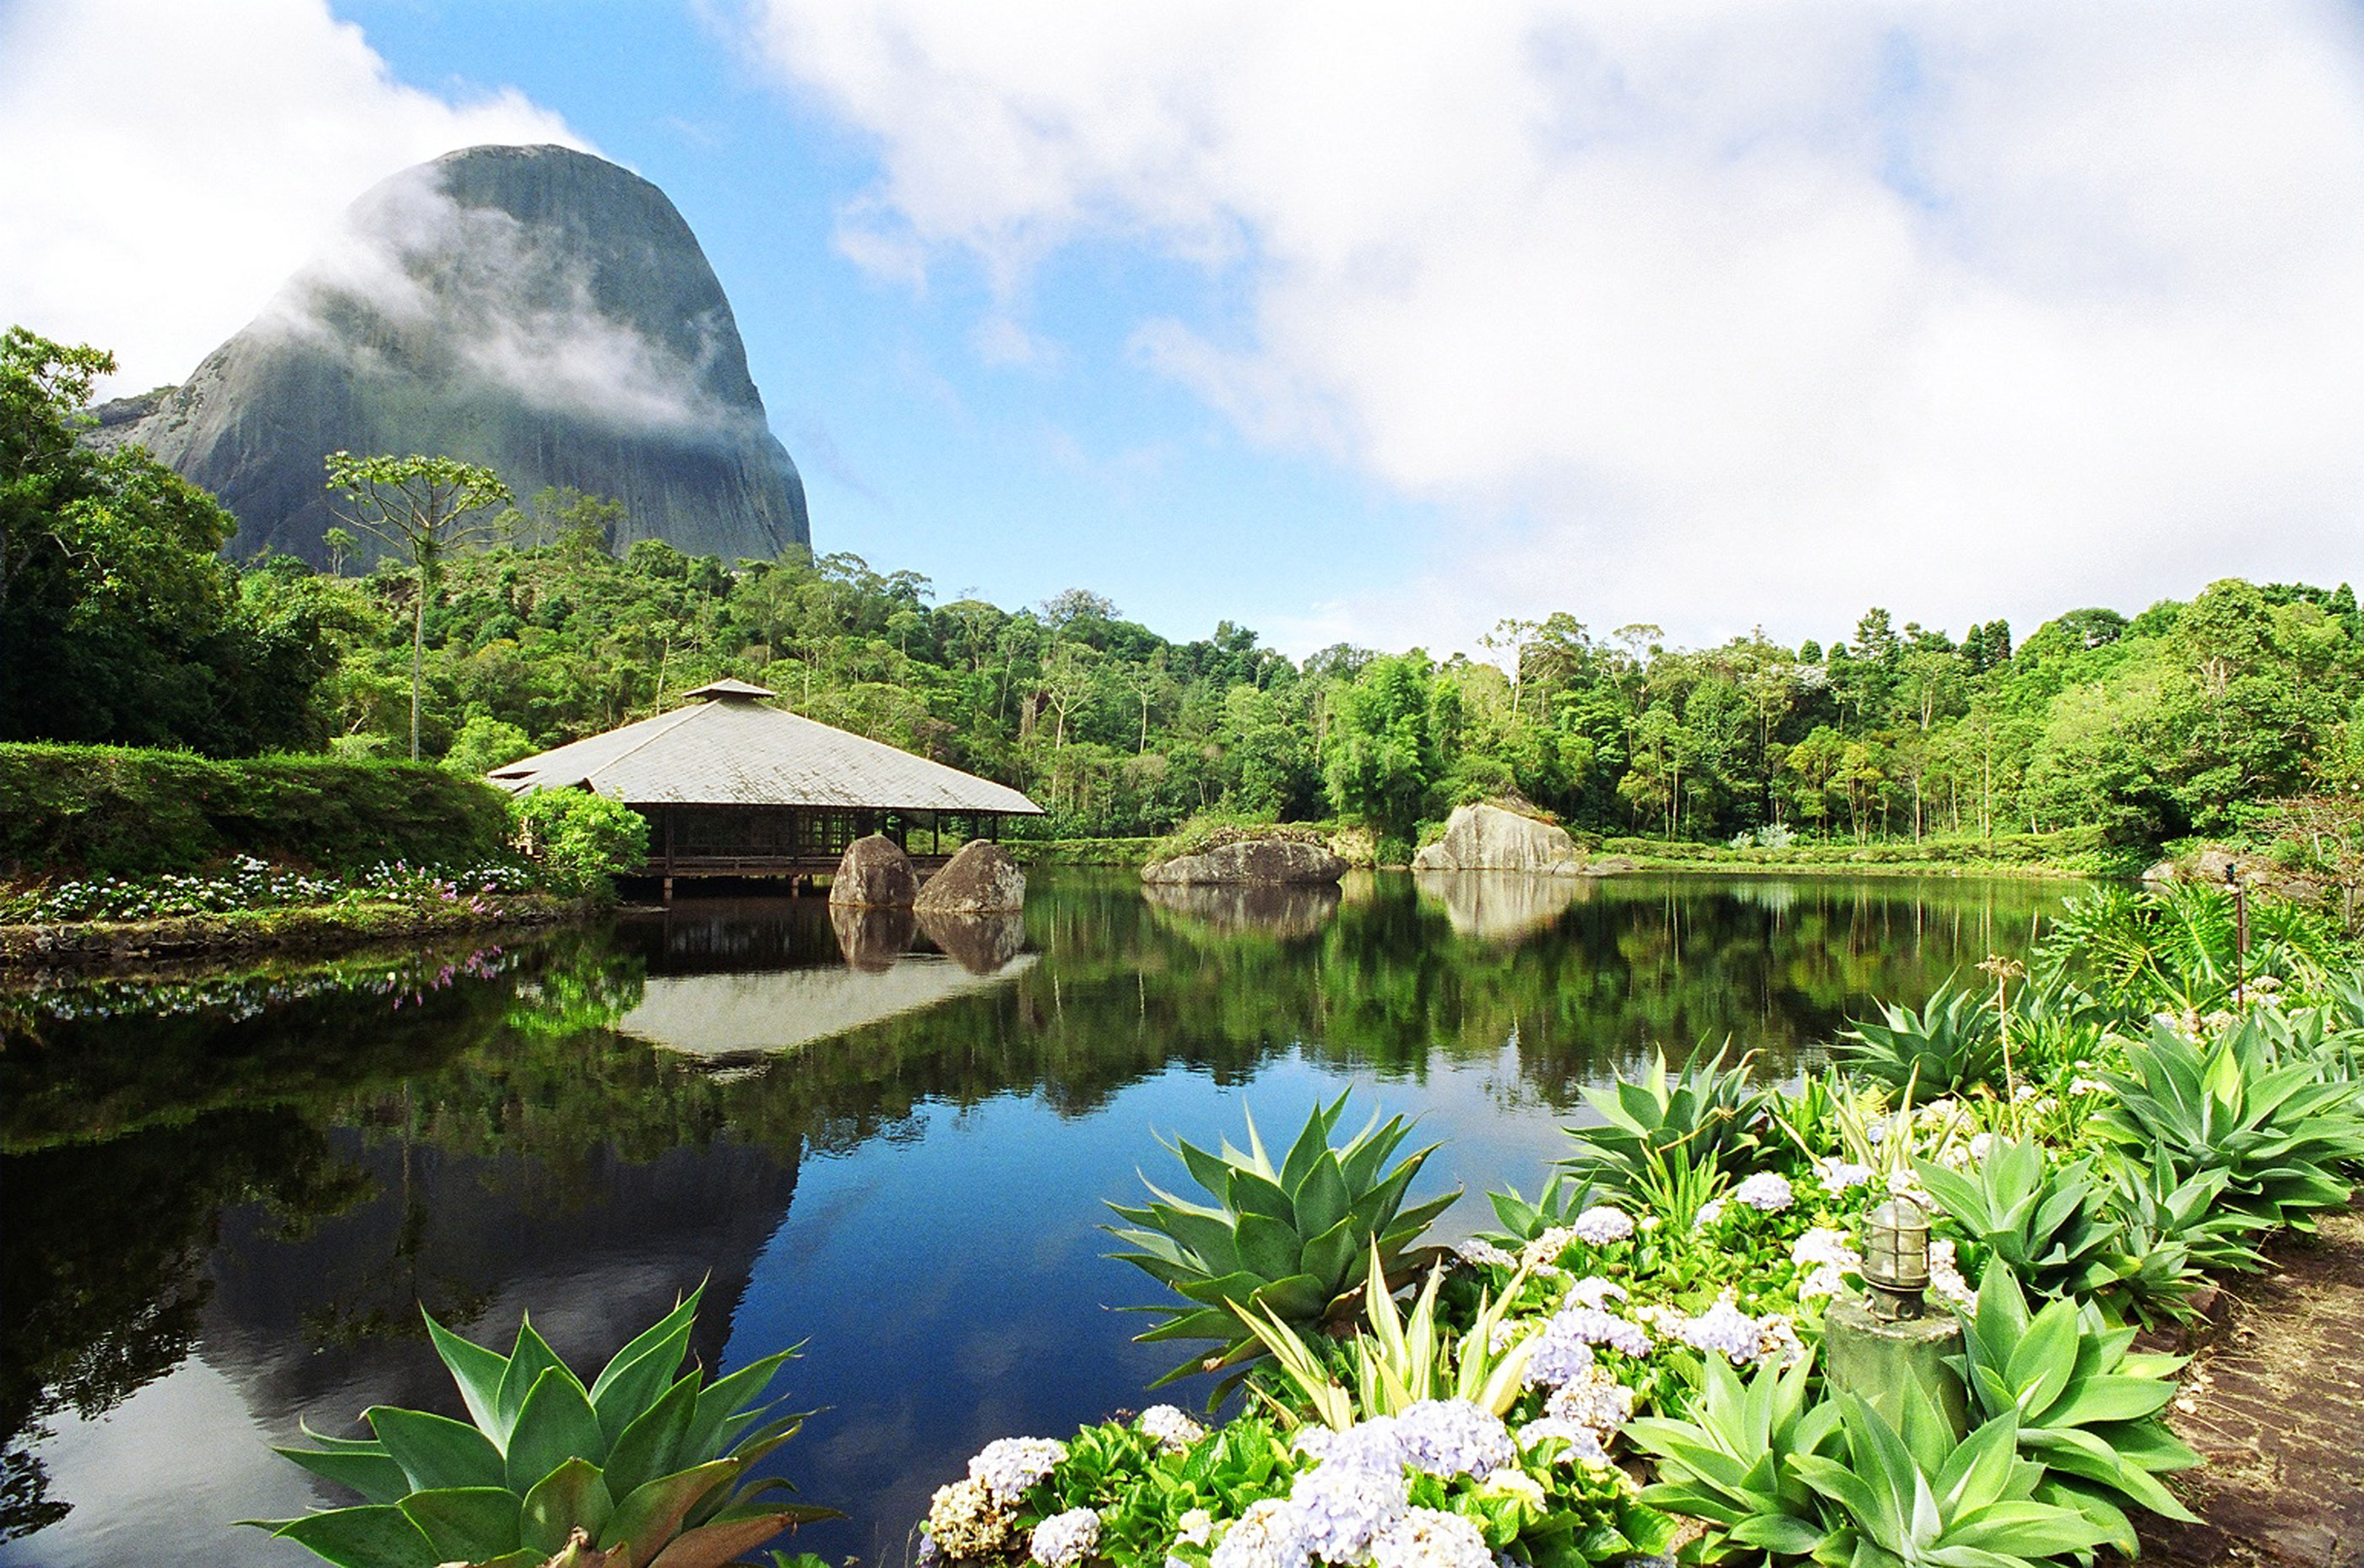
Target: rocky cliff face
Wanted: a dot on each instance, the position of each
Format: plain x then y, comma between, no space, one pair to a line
534,309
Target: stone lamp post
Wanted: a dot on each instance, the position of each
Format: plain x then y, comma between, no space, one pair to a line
1875,1347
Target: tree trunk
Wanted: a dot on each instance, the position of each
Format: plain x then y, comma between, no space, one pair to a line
418,659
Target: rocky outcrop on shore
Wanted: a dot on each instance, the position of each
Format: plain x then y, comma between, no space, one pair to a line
1487,838
1259,862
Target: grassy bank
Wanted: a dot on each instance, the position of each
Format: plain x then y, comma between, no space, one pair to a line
320,928
2073,852
124,812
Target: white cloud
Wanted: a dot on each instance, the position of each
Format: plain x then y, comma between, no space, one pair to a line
164,165
472,294
1709,314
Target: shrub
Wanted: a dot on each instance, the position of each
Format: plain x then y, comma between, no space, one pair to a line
119,811
582,839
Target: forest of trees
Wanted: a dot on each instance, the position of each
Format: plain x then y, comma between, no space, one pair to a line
122,623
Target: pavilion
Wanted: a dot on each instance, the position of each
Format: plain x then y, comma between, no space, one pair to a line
734,786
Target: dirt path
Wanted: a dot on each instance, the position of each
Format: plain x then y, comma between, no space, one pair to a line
2274,1402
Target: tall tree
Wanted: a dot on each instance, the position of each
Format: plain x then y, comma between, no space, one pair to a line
424,510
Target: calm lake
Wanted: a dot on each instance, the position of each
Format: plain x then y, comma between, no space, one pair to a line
226,1198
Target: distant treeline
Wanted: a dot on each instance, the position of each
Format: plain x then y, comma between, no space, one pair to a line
121,625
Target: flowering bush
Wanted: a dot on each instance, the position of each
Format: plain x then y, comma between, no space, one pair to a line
247,883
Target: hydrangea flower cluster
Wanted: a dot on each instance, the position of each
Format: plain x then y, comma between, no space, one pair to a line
1826,1254
1007,1466
1836,1175
1583,1442
1946,1275
1477,1249
964,1521
1708,1212
1597,1402
1453,1437
1602,1224
1767,1192
1065,1539
1169,1427
1732,1333
1338,1509
1265,1536
1594,1292
1546,1246
1430,1538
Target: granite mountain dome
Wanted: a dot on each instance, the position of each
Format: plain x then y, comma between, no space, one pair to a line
535,309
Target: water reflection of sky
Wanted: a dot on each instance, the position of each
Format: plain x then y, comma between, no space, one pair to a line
915,1194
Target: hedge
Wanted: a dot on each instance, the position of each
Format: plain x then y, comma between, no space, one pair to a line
2067,847
120,810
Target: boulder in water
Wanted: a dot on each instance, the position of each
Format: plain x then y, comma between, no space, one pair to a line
875,873
1262,862
981,878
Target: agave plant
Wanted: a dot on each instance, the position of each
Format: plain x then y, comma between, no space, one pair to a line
1954,1043
1733,1466
1913,1495
2086,1410
1402,1360
1709,1109
2173,1231
2277,1131
646,1460
2051,1227
1288,1240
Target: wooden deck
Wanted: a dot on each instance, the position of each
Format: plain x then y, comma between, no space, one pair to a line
680,866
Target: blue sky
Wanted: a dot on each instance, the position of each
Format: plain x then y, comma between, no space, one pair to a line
1367,322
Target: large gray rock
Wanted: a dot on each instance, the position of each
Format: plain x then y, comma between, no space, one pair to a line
534,309
875,873
981,878
1487,838
1266,862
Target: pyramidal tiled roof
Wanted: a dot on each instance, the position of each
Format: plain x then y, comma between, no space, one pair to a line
735,750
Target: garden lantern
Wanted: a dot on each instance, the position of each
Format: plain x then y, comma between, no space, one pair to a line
1896,1260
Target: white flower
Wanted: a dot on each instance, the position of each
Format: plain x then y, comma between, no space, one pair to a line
963,1520
1594,1292
1724,1329
1583,1442
1269,1535
1824,1245
1597,1402
1878,1130
1903,1184
927,1554
1007,1466
1777,1341
1169,1429
1374,1444
1453,1437
1547,1246
1195,1528
2023,1093
1836,1175
1341,1508
1560,1354
1767,1191
2088,1086
1981,1145
1064,1539
1709,1211
1597,1327
1601,1224
1430,1538
1825,1280
1478,1251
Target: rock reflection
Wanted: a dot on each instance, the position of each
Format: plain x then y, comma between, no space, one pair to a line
1502,906
873,938
1289,912
981,944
